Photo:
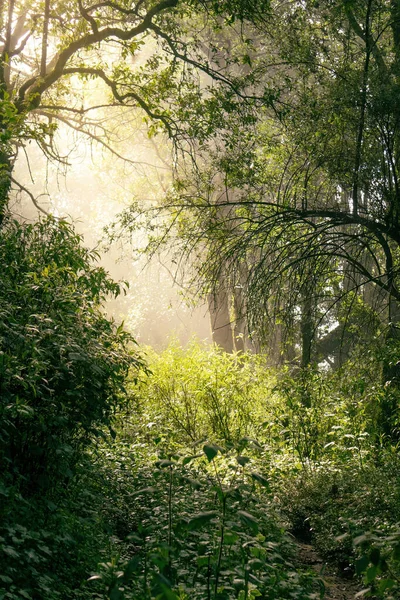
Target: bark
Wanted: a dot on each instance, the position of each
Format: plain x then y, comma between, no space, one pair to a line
218,305
5,183
361,124
307,325
240,328
389,413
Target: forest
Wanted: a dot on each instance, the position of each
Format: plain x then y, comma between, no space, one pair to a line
252,148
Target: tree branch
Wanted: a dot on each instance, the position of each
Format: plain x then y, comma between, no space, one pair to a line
35,86
122,98
31,196
45,35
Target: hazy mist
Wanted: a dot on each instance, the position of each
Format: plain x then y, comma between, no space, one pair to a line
90,187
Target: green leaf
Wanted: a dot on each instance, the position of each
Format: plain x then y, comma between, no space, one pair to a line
385,584
188,459
261,480
201,519
361,564
211,451
248,440
360,539
116,594
131,568
396,553
165,587
248,520
242,460
194,483
374,556
371,573
146,490
163,464
11,552
230,538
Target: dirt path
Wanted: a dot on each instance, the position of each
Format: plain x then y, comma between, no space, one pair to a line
337,588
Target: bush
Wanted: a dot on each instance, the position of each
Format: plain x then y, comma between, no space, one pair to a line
62,362
63,366
204,393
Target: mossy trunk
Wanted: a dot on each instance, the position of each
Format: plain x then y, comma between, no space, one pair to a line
5,183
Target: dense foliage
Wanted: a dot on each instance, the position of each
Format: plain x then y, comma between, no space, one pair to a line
202,517
288,222
284,213
62,373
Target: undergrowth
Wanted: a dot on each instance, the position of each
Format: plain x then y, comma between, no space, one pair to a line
214,465
300,450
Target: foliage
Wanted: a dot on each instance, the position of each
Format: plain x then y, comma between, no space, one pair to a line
319,443
289,204
204,529
63,363
50,542
145,55
310,457
166,514
62,371
197,393
292,207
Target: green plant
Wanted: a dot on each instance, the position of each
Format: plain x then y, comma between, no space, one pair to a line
62,371
379,561
62,362
204,393
205,528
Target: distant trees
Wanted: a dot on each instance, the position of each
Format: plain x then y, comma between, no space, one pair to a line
296,200
289,114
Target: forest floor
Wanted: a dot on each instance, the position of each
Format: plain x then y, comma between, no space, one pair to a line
337,587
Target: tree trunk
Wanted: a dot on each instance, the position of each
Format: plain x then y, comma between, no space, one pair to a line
5,183
307,327
218,306
240,328
389,418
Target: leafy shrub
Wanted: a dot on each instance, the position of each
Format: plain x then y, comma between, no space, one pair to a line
62,362
323,416
203,393
63,366
205,527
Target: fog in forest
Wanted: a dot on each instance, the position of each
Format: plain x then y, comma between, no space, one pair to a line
90,188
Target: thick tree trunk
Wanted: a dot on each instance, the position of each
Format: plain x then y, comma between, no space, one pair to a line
218,306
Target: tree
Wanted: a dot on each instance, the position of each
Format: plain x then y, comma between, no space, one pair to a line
312,214
45,46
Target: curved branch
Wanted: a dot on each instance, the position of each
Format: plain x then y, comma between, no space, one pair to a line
35,86
31,196
366,37
92,136
121,98
78,111
85,14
